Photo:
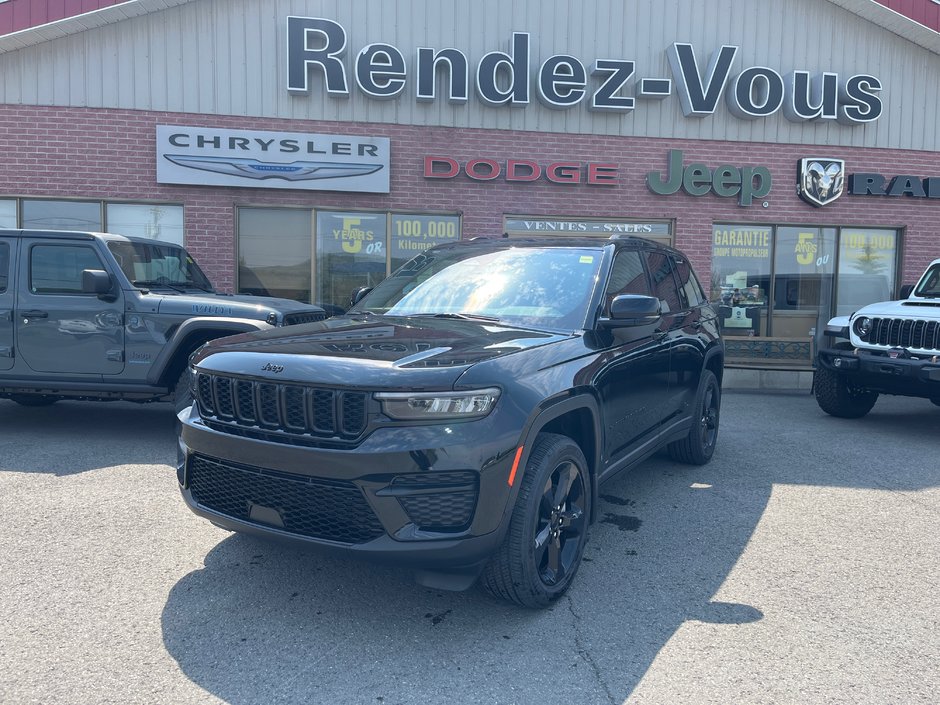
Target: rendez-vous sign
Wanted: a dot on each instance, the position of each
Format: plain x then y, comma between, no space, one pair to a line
562,81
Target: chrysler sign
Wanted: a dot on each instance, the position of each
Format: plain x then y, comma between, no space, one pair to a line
257,159
515,77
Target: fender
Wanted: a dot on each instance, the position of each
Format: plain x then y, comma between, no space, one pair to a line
203,329
547,411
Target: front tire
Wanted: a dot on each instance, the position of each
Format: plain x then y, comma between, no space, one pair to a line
838,398
698,447
183,391
543,548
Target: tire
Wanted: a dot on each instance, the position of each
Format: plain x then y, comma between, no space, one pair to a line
543,548
182,391
838,398
698,447
33,399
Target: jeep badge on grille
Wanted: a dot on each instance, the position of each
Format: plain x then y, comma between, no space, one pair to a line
276,369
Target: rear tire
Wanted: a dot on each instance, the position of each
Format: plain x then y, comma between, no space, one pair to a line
542,550
698,447
838,398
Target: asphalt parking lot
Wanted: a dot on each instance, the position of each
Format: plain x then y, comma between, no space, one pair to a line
800,566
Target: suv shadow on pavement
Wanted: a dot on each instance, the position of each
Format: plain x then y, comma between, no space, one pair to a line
264,622
88,436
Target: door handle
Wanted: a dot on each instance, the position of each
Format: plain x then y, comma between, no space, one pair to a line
34,314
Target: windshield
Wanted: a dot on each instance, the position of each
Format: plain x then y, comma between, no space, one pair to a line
929,286
548,287
154,264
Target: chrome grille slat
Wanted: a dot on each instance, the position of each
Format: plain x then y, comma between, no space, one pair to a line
917,334
272,408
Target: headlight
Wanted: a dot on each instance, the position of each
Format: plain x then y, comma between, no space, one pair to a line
414,406
862,326
271,320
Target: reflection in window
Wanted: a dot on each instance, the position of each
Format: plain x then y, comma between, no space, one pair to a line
57,269
412,233
154,221
62,215
867,260
804,263
7,213
351,253
274,252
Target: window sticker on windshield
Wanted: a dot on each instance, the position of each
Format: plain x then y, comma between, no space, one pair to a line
587,259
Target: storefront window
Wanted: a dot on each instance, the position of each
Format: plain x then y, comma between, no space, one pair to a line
154,221
274,250
412,233
740,283
804,263
867,263
7,214
62,215
351,253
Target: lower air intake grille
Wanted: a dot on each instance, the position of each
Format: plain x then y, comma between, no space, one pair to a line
316,508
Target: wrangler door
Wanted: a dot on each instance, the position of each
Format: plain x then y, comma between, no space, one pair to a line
7,301
60,329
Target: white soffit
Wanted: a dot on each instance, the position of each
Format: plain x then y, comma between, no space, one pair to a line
79,23
894,22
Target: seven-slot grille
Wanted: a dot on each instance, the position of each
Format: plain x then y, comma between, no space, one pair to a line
313,507
905,333
271,410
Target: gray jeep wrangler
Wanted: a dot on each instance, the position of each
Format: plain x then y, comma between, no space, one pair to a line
98,316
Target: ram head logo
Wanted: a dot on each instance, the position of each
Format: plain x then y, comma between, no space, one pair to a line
820,180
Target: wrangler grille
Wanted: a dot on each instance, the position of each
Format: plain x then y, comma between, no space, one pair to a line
287,413
312,507
905,333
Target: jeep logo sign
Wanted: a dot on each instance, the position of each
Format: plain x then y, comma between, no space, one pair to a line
747,183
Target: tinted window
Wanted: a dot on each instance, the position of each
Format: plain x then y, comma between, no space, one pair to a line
627,276
57,269
689,288
664,283
4,265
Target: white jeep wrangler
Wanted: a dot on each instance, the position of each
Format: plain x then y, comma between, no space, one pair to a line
892,347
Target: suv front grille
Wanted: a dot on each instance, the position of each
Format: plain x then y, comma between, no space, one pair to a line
286,413
905,333
312,507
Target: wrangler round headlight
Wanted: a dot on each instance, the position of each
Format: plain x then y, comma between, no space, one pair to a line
862,326
418,406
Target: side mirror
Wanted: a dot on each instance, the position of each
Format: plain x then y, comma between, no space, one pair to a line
358,295
627,310
906,291
97,281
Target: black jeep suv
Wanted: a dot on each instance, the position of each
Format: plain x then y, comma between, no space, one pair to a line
460,418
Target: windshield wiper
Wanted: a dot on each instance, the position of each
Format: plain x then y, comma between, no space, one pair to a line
162,281
462,316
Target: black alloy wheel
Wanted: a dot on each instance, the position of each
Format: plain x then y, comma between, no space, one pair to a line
698,446
549,529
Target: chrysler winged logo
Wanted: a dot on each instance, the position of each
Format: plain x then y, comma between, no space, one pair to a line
289,171
821,180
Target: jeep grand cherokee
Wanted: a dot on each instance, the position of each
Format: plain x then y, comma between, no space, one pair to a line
460,418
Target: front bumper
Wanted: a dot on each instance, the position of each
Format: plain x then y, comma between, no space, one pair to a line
903,375
399,497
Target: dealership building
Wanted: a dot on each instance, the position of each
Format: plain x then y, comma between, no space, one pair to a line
305,148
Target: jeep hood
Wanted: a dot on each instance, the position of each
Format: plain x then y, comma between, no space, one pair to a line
370,351
240,306
906,308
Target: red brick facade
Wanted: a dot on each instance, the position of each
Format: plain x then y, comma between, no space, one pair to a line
110,154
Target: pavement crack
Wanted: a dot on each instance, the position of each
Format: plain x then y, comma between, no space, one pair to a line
585,654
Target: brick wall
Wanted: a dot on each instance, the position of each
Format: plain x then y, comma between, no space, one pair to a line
110,154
